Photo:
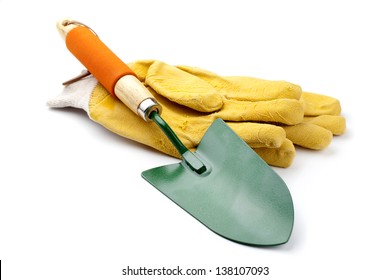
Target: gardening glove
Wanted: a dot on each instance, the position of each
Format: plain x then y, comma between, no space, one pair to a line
188,124
267,140
247,99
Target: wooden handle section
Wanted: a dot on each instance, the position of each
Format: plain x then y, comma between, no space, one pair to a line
131,92
108,69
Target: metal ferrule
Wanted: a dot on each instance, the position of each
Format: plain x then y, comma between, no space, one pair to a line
147,106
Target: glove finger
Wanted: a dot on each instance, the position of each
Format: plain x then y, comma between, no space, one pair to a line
258,135
183,88
284,111
309,135
318,104
254,89
246,88
335,124
280,157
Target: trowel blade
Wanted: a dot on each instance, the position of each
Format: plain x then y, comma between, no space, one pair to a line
239,196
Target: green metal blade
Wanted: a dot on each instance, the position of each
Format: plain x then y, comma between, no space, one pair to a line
239,196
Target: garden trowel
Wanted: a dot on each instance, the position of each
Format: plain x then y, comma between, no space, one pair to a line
224,184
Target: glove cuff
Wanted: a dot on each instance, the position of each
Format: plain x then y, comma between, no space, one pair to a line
75,95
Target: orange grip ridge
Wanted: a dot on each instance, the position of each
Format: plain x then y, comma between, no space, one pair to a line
97,57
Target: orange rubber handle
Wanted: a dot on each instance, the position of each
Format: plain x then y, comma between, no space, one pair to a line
97,57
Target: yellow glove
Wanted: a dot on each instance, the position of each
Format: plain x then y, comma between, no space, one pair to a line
191,101
242,99
321,121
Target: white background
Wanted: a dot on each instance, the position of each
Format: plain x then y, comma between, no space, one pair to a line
72,202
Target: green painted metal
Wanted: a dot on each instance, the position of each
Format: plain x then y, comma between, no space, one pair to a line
238,196
191,160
